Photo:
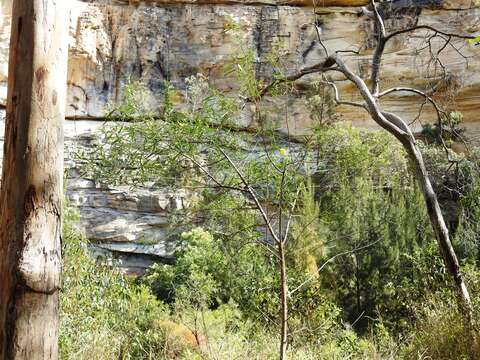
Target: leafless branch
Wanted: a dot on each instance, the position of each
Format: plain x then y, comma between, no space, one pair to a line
441,114
415,91
427,27
378,19
316,68
337,96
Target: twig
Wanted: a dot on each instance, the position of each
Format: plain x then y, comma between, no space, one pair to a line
312,277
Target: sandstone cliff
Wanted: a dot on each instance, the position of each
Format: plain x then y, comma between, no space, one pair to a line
112,41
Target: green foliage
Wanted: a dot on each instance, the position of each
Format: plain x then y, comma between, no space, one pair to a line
203,278
376,217
307,243
457,183
441,330
133,105
191,278
360,251
347,154
467,235
106,316
476,40
321,103
103,314
120,319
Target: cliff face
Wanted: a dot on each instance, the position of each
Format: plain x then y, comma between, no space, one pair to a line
157,40
153,42
112,41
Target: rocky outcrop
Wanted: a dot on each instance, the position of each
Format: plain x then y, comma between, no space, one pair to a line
113,41
154,41
130,225
448,4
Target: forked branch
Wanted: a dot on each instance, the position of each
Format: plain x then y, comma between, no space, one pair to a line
383,38
396,126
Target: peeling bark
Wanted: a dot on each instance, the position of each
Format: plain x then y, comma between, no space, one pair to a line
32,177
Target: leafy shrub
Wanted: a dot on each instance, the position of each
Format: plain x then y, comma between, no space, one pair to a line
376,218
361,213
104,315
449,131
457,183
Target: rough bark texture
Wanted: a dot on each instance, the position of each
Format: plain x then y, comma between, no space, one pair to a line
31,192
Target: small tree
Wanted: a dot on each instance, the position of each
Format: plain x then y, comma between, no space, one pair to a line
200,149
436,41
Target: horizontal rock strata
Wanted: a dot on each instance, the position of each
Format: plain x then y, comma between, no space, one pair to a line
113,42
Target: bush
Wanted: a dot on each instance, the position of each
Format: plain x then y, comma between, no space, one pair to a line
376,217
355,205
104,315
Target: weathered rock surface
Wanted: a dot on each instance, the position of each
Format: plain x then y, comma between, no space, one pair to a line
154,43
130,225
112,41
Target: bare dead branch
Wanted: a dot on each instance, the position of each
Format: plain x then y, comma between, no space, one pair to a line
316,68
415,91
441,114
348,51
338,101
380,48
383,38
427,27
378,19
370,101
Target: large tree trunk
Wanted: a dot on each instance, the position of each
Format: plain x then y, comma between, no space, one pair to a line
31,190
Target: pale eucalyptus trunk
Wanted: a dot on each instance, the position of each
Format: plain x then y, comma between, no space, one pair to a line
32,176
398,128
438,223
